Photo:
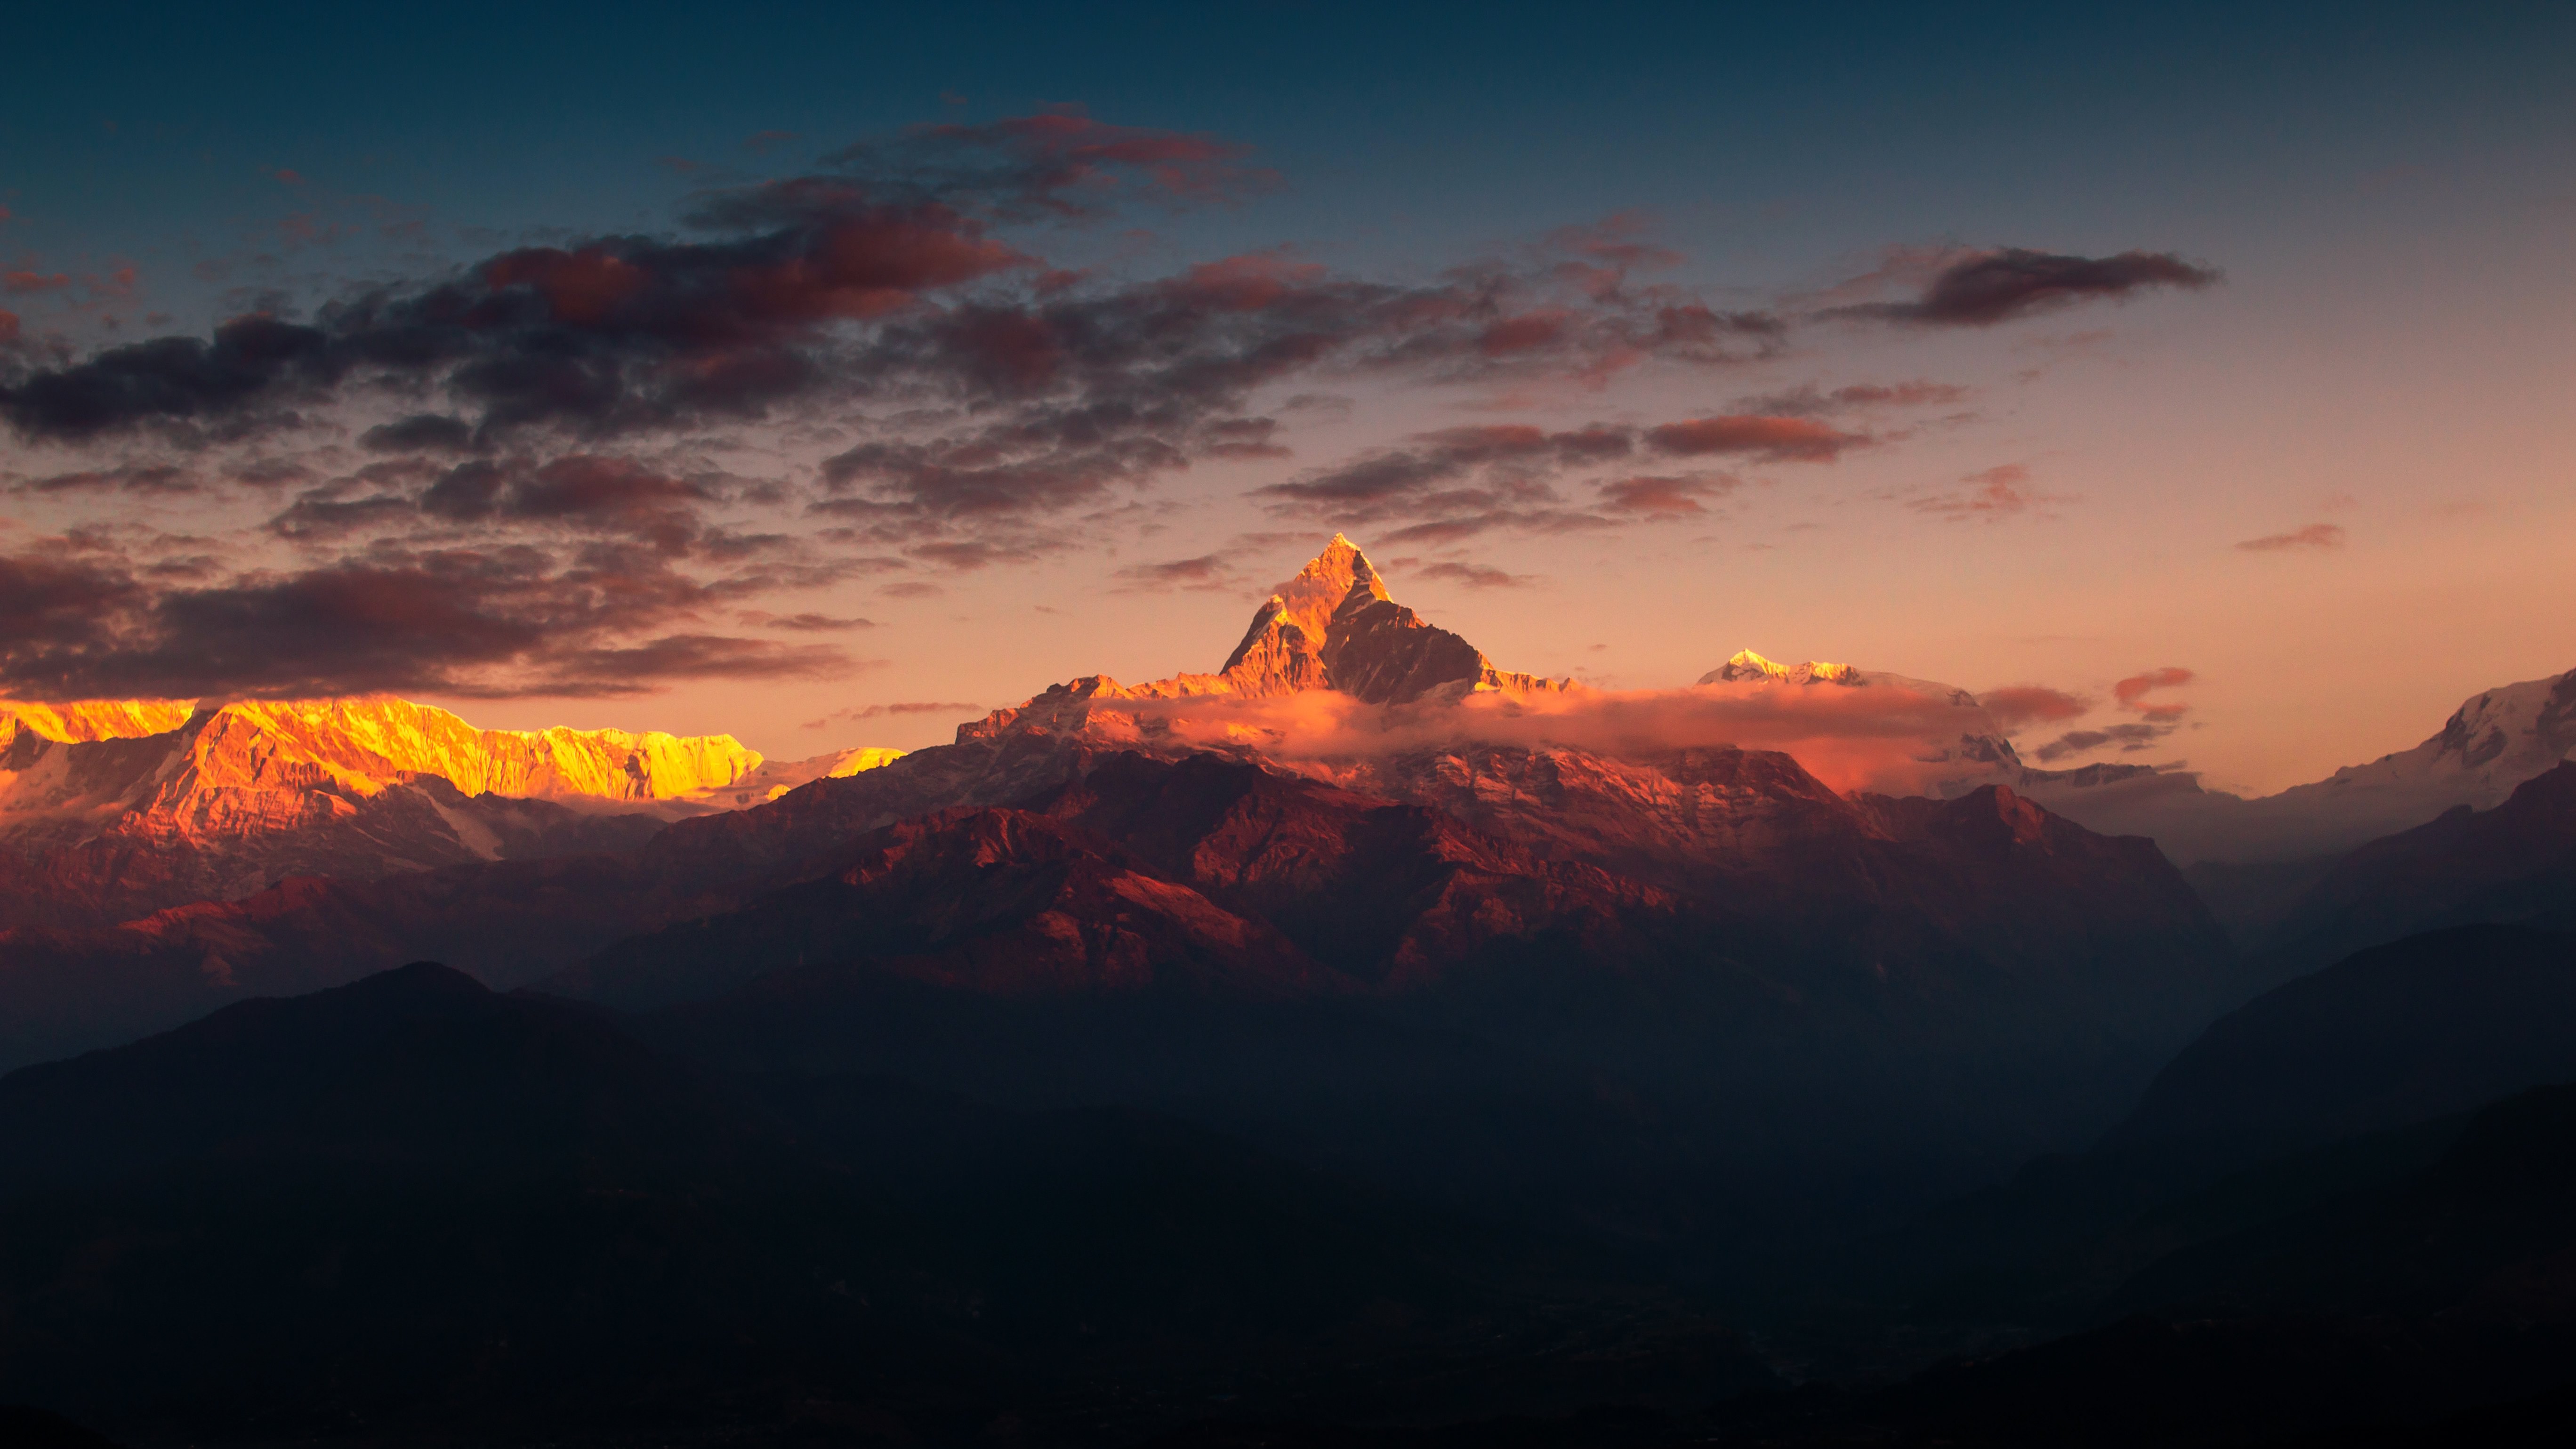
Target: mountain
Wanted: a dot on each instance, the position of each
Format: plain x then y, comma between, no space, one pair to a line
1335,627
2489,746
1680,993
118,808
1962,748
2515,861
410,1210
2353,1075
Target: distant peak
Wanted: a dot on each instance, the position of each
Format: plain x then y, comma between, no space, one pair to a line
1746,666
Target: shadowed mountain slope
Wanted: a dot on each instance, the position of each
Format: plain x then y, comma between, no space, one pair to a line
408,1206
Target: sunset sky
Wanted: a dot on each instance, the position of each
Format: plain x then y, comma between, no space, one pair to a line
826,375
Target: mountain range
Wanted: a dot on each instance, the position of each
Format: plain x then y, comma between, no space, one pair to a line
1356,1030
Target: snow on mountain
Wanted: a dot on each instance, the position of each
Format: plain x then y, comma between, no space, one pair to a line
1964,749
2492,743
124,806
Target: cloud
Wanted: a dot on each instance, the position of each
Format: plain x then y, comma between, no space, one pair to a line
2317,536
1983,288
515,621
1995,493
1852,739
2016,705
1207,571
1665,495
24,283
1808,401
1471,575
2131,692
419,433
880,711
2131,738
1446,456
1059,164
143,478
2154,723
808,623
1760,437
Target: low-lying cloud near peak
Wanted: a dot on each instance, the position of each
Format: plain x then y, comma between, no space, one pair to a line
1870,738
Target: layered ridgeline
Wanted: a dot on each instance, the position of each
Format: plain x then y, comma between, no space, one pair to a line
2492,743
118,808
1354,810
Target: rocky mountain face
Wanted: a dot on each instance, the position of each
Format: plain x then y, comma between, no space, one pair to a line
1334,627
118,808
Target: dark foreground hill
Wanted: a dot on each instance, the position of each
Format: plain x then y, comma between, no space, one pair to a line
409,1206
2356,1075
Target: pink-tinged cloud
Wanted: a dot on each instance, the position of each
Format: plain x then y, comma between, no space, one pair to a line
2132,692
26,283
2316,536
1664,495
1852,739
1994,494
8,326
1527,332
1763,438
2016,705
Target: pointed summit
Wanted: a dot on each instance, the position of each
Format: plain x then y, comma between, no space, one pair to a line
1334,626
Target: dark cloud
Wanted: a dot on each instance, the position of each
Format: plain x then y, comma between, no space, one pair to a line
2316,536
143,478
808,623
2131,738
251,363
54,602
1760,437
505,622
1446,456
602,494
880,711
575,494
2155,721
1207,571
419,433
1448,486
1664,495
1809,401
1981,289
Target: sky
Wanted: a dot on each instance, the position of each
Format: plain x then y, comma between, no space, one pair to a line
826,375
